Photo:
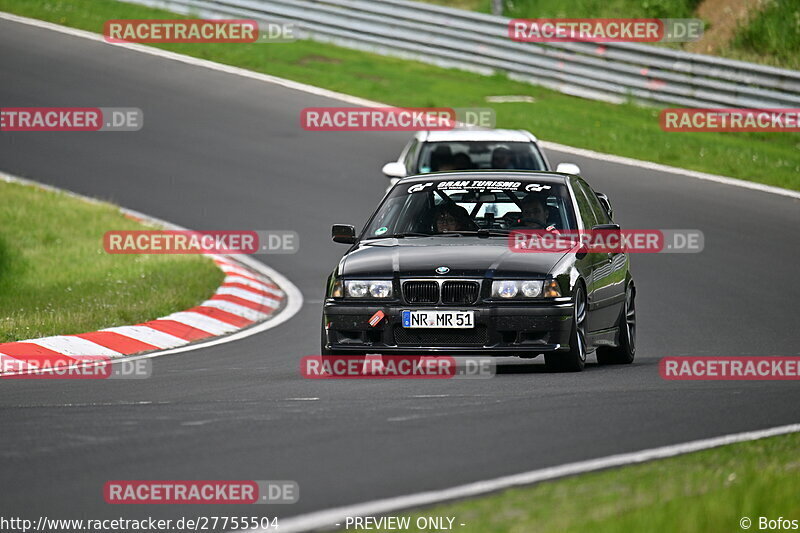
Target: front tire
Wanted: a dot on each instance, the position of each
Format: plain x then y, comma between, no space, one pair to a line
575,359
623,353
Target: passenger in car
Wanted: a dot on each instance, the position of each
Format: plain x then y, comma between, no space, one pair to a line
451,217
442,158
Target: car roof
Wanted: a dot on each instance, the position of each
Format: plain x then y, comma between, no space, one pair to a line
551,177
477,134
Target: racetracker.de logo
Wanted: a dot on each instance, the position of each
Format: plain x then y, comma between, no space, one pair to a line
181,31
396,367
605,30
730,119
200,242
200,492
756,368
606,241
71,119
39,366
377,118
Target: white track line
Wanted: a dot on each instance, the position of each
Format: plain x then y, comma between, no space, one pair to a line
673,170
354,100
328,519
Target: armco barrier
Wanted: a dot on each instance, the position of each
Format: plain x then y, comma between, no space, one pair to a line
479,42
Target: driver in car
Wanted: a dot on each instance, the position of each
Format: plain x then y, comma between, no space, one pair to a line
534,212
503,158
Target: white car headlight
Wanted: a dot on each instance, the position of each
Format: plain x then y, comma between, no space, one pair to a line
367,289
380,289
504,289
529,288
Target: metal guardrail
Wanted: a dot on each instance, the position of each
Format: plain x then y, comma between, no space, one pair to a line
479,42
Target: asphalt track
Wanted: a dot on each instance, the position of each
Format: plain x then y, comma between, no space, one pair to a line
219,151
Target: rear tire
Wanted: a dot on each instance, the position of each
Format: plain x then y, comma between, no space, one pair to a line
575,359
624,353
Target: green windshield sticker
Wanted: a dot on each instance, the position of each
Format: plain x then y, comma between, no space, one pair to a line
381,230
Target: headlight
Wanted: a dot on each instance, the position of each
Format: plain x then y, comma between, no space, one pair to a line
380,289
356,289
531,288
367,289
504,289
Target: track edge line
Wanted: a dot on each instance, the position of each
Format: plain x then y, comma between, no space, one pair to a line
327,519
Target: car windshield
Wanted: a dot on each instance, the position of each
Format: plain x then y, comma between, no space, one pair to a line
469,155
469,206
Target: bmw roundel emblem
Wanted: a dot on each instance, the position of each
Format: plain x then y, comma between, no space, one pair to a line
442,270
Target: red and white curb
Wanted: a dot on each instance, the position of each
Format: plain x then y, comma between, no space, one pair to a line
244,298
252,298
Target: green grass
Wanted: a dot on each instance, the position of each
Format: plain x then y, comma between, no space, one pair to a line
56,278
702,492
628,130
772,37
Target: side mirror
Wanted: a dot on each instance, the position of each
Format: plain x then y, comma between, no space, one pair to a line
569,168
612,229
607,227
604,201
394,169
343,233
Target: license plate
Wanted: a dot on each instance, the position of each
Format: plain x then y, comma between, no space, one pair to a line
439,319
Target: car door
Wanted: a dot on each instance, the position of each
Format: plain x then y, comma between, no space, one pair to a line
609,271
592,261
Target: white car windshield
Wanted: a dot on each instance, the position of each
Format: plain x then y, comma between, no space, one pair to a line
470,155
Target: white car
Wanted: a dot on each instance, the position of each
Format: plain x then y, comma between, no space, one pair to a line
471,149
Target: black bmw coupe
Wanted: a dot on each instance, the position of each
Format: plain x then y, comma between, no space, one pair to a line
434,272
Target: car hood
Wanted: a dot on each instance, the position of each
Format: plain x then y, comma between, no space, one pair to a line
464,256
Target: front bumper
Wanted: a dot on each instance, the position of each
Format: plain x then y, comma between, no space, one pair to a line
527,329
